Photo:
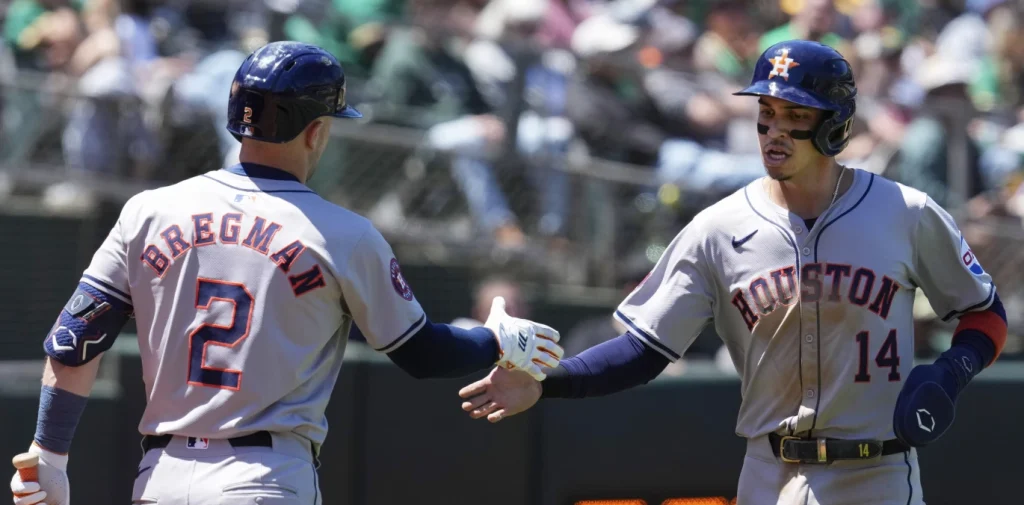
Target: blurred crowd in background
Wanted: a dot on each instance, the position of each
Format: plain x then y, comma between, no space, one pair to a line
529,102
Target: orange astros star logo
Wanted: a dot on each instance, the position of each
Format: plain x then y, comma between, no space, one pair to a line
782,63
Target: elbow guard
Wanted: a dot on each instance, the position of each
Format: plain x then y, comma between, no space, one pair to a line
86,327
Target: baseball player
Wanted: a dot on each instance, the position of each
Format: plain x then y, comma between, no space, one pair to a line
244,284
809,275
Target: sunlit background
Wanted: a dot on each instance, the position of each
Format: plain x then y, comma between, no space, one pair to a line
542,150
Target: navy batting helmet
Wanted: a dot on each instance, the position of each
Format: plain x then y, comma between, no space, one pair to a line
813,75
282,87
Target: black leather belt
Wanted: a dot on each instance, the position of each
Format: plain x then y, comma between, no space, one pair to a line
258,439
826,450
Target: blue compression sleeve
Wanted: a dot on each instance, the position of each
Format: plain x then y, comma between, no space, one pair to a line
973,349
59,412
618,364
441,350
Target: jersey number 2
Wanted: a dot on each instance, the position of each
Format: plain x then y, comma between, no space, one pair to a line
209,291
888,357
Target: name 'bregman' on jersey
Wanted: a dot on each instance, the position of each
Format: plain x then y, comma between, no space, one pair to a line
244,289
819,323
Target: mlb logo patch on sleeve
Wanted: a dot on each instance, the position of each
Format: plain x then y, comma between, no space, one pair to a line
968,259
197,443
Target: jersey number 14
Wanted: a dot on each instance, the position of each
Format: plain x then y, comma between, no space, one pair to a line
209,291
888,357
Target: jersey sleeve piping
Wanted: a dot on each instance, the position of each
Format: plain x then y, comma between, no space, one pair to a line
107,288
404,337
646,336
984,305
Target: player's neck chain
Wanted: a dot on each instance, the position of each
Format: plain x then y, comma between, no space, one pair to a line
835,191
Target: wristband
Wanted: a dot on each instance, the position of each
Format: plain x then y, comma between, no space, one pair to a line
59,413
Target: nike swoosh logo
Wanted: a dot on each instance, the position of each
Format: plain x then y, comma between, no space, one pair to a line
141,471
737,243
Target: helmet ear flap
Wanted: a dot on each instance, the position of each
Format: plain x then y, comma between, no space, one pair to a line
833,134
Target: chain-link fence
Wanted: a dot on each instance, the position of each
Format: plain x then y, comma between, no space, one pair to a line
617,217
69,144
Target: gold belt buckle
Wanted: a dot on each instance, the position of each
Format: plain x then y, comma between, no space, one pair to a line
822,451
782,449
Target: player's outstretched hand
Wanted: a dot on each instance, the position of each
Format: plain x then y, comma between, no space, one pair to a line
50,485
524,344
503,393
924,409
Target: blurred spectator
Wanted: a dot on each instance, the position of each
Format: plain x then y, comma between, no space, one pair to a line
924,155
974,38
627,108
352,30
810,20
555,19
605,100
83,43
729,46
483,296
884,106
420,80
526,81
43,33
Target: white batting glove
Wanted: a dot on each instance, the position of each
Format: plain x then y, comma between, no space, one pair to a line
523,344
53,486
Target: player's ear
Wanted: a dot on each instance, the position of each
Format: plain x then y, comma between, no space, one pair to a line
313,132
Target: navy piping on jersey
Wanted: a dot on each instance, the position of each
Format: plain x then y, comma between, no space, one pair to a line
102,284
796,253
817,305
316,483
404,336
646,337
910,472
257,190
257,171
988,301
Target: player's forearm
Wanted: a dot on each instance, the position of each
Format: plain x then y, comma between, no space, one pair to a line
616,365
441,350
62,399
73,379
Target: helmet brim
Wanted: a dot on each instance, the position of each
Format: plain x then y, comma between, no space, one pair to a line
789,93
349,112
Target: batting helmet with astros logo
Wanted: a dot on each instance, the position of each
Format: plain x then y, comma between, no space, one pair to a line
814,75
281,88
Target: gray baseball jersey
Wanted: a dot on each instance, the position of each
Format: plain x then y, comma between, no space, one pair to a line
244,292
818,321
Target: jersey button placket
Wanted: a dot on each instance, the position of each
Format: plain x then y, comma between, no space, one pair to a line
809,367
809,353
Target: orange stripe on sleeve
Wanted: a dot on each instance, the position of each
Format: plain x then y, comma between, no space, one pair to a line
987,322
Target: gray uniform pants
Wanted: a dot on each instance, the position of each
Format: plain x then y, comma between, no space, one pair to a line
215,473
889,480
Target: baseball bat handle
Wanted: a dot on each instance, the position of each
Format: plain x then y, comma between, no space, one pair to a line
28,466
